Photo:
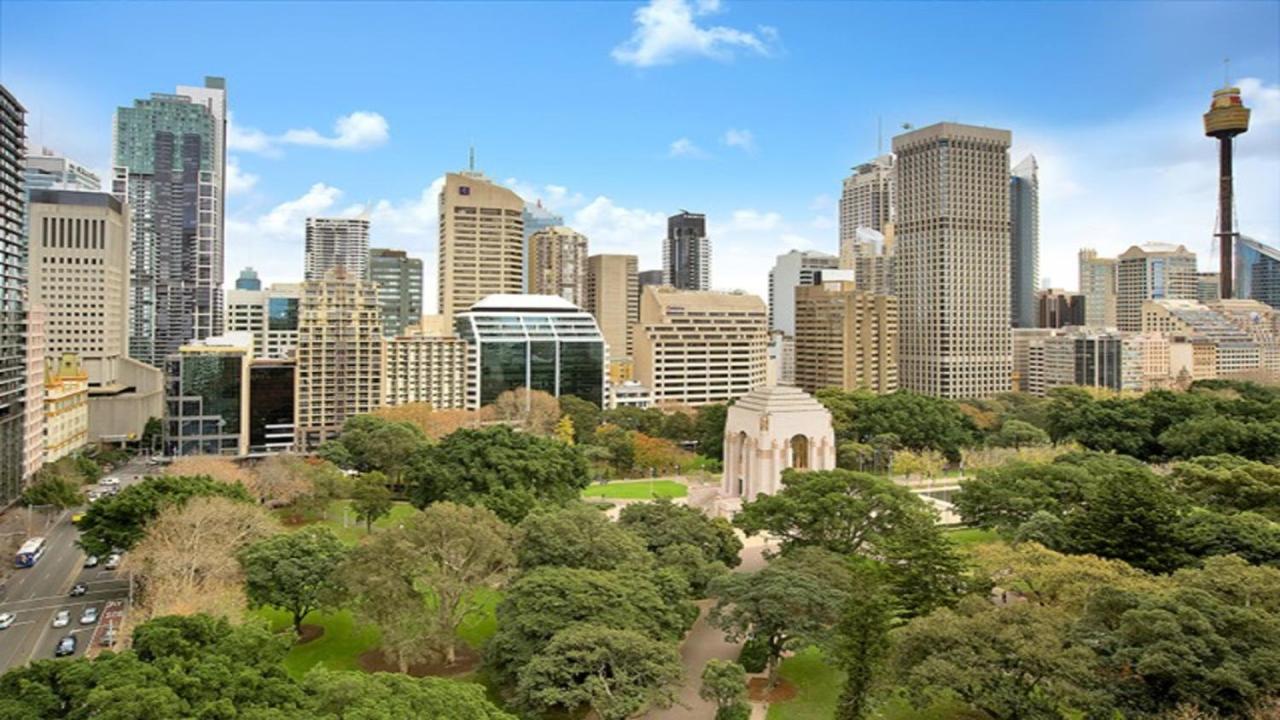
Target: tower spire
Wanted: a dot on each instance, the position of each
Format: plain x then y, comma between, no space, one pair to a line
471,159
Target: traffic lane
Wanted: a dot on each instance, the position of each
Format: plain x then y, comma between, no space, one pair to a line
53,575
39,637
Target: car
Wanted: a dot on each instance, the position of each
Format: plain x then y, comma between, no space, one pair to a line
75,519
93,496
79,589
6,619
108,637
91,561
89,616
109,481
62,618
113,561
66,646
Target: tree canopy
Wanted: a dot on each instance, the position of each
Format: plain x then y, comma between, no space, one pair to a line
118,522
296,572
578,536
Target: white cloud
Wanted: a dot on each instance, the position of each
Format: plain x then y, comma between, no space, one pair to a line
360,130
238,181
684,147
754,220
667,31
612,228
743,139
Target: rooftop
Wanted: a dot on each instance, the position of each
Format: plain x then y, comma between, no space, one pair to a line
779,399
513,302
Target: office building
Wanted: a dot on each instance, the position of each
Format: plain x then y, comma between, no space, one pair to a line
13,292
1155,271
846,338
613,298
423,366
1260,322
1208,287
1146,363
270,316
271,405
248,280
630,394
33,444
686,252
1028,358
1097,283
866,199
1055,308
207,397
339,355
649,277
1024,246
793,270
1257,274
336,243
539,342
952,255
870,257
558,264
48,170
1083,357
700,347
1236,352
481,242
170,157
780,359
399,281
66,407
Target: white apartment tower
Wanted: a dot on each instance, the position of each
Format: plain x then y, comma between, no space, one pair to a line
269,315
952,255
337,243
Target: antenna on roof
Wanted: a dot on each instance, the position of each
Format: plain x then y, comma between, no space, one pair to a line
471,159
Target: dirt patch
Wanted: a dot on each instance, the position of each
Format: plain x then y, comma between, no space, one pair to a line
782,691
309,633
468,660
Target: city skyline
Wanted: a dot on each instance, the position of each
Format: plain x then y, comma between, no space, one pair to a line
1121,163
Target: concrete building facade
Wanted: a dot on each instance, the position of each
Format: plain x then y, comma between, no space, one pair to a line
47,170
1055,308
33,444
270,315
421,366
769,430
1155,271
866,199
399,281
66,407
846,338
336,242
613,298
558,264
482,238
870,257
795,269
1097,283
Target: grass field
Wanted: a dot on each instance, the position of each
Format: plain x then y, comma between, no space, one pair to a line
637,490
817,685
343,522
968,537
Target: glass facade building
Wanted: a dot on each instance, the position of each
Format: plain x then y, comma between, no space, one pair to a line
539,342
207,397
13,296
271,427
1257,272
399,280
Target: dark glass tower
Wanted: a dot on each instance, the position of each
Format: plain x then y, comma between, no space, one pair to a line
13,287
686,253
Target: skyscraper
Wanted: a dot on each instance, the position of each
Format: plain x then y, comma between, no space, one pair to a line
1057,308
790,271
870,257
481,242
248,280
613,297
1155,271
51,171
686,253
1097,283
399,280
337,243
170,156
536,217
952,255
270,316
1257,274
558,264
33,444
866,199
13,293
1024,246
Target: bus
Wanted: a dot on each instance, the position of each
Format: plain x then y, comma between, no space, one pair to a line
30,552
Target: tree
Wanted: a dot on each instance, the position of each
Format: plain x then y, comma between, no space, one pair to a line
564,430
615,672
151,433
1220,435
350,695
284,479
118,522
928,464
577,536
1007,496
724,683
709,429
371,443
1017,434
431,568
584,415
658,453
434,424
862,638
919,422
680,426
839,510
222,469
186,561
533,410
1129,514
1251,536
58,491
796,599
925,570
371,499
621,446
296,572
1231,484
662,524
507,471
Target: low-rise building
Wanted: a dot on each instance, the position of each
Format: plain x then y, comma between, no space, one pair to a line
66,407
207,397
425,366
1236,351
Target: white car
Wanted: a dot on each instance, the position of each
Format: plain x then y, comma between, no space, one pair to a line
62,619
113,561
109,481
89,616
6,619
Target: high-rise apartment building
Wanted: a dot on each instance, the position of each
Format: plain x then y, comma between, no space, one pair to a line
270,316
170,157
699,347
870,257
649,277
1257,275
793,270
1097,283
536,217
1155,271
481,242
866,199
33,444
248,280
207,397
13,294
613,298
1057,308
686,253
846,338
558,264
48,170
1024,245
339,355
425,366
952,255
399,281
336,243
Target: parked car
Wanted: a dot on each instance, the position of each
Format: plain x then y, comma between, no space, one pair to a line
89,616
109,481
91,561
78,589
6,619
66,646
113,561
108,637
62,618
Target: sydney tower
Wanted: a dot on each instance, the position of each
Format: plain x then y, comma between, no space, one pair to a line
1227,118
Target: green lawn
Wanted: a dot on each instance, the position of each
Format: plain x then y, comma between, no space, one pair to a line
343,522
637,490
969,537
817,685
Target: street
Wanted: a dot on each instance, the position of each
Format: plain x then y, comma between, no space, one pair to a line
35,594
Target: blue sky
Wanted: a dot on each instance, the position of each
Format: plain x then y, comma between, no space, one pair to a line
619,113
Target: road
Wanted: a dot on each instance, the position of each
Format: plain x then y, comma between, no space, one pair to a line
35,594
